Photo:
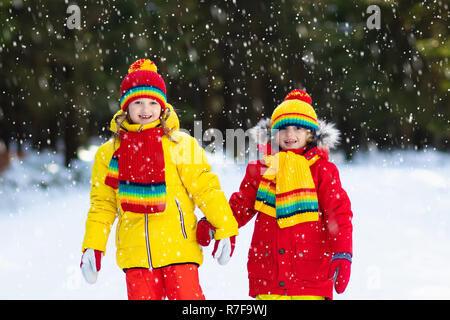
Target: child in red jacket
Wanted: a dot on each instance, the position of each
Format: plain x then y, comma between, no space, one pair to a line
302,241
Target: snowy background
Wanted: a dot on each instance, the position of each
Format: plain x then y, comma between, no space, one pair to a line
228,63
400,201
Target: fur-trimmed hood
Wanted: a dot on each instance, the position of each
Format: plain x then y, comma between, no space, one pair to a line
327,137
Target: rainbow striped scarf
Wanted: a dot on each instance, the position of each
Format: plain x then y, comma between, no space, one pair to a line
137,169
287,191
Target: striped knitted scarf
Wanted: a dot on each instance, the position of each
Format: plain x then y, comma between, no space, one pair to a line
137,170
287,191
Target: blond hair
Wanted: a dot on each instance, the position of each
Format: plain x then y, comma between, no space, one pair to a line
310,137
119,119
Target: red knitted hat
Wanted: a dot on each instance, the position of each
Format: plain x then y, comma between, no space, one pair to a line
142,81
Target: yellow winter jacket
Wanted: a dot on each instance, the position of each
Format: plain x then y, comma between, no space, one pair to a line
158,240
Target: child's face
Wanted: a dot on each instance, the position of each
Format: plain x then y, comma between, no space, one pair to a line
292,137
144,111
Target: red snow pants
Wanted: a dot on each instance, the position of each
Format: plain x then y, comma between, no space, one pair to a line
176,282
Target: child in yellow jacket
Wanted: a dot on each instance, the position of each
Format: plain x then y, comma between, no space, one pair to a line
151,176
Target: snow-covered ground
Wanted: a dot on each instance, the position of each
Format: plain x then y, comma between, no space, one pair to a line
400,201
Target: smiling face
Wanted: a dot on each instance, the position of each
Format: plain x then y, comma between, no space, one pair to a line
144,111
293,137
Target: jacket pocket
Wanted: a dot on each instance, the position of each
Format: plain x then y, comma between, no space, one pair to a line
260,261
183,228
311,263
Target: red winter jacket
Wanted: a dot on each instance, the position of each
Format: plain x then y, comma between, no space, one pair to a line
295,260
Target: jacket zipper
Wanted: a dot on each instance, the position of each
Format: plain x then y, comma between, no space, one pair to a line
183,229
118,237
118,227
149,256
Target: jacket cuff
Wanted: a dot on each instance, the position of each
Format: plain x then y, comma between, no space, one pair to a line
342,255
222,234
96,237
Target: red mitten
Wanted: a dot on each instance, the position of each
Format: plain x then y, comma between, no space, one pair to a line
340,268
205,232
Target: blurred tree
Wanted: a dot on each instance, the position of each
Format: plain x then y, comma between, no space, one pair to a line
228,63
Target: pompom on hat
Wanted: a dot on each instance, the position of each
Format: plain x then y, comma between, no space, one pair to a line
295,110
142,81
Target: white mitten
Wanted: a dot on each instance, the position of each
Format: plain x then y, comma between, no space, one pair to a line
91,264
223,250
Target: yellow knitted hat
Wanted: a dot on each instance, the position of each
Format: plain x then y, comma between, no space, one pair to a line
295,110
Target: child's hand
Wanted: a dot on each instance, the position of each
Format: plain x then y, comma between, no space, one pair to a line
340,270
90,264
223,249
205,232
